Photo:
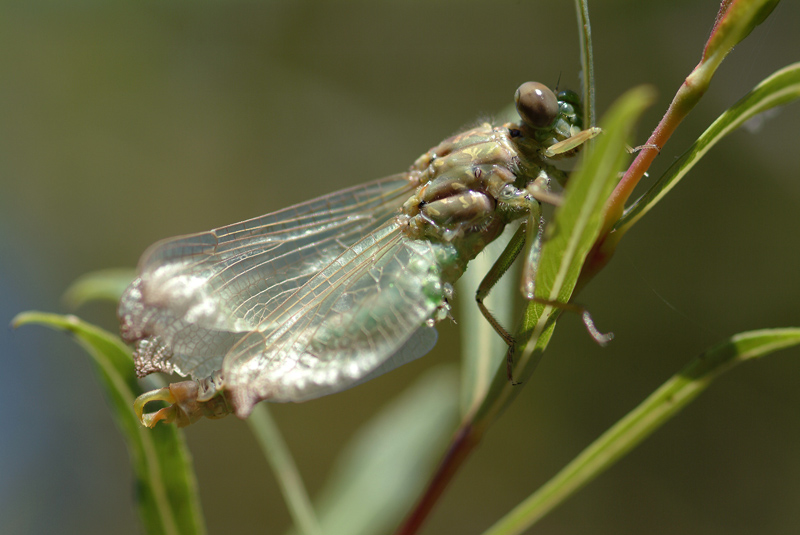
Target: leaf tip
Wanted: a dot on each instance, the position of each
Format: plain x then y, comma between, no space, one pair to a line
23,318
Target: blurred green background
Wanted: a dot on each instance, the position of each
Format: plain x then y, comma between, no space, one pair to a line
129,121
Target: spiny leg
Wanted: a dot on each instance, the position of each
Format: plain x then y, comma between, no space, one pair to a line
533,248
498,269
528,237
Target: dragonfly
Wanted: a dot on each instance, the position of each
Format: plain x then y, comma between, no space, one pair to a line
324,295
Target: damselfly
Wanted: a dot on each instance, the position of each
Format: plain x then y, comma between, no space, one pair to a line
324,295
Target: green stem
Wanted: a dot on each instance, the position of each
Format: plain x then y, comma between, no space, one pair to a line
280,459
734,22
587,61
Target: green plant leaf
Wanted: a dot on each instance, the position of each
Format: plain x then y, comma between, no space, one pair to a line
780,88
577,222
641,422
102,285
735,20
165,483
386,464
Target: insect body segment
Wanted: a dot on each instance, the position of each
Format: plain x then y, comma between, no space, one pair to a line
321,296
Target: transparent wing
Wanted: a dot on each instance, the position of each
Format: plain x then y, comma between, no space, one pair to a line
343,324
198,295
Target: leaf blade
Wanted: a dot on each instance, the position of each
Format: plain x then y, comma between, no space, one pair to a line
386,464
664,403
782,87
165,482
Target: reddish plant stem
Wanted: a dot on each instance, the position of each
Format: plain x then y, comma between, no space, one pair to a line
685,99
464,441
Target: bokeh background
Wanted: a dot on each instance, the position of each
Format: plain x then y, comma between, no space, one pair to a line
129,121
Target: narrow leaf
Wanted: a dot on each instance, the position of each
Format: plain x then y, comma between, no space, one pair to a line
103,285
387,463
735,20
577,222
165,484
641,422
780,88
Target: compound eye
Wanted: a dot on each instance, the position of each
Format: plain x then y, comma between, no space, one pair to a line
536,104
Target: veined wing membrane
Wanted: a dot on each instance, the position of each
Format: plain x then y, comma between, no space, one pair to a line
271,254
197,295
345,322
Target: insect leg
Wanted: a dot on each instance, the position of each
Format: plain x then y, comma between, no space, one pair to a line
518,241
529,238
533,249
498,269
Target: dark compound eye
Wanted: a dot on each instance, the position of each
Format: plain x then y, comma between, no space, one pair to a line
536,104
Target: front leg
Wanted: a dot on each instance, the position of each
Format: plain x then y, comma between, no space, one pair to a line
528,238
498,269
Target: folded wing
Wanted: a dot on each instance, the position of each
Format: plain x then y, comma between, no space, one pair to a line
197,296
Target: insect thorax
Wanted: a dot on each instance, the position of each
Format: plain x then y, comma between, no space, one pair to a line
470,186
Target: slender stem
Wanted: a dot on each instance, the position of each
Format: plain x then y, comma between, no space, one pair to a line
464,441
280,459
587,60
685,99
